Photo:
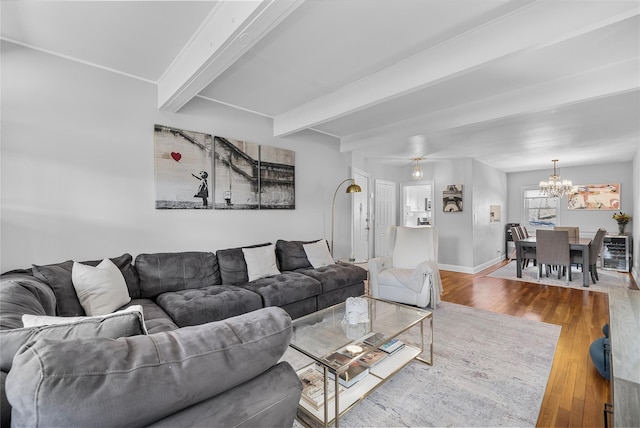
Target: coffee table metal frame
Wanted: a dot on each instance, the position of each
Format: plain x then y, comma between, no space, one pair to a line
325,323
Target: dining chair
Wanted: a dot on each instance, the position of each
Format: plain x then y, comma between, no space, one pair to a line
574,231
552,249
528,253
594,251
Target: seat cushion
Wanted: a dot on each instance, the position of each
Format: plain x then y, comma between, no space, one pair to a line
395,277
288,287
336,276
155,318
213,303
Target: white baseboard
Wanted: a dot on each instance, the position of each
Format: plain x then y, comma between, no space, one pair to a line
471,270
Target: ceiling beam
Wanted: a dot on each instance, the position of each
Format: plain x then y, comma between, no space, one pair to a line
229,31
475,49
607,80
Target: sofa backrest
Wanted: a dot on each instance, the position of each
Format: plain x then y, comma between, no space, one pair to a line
58,277
291,255
23,294
163,272
233,267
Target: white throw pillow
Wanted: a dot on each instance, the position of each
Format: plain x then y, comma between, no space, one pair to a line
318,254
261,261
40,320
101,289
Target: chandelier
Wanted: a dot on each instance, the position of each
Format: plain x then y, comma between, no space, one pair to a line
417,169
554,187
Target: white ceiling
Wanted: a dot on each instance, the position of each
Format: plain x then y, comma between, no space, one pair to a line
513,84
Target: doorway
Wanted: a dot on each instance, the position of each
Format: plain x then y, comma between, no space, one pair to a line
417,203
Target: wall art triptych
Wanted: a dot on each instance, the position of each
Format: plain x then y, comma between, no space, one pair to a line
193,173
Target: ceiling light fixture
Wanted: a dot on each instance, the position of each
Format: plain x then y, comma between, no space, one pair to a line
554,187
417,169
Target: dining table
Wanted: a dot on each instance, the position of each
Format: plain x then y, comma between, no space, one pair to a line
580,244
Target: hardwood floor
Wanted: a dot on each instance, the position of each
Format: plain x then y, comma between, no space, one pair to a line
576,392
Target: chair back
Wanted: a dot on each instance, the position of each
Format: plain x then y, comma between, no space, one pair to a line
413,245
574,231
552,247
596,244
524,231
516,233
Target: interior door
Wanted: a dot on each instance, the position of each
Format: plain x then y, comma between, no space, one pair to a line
385,214
361,232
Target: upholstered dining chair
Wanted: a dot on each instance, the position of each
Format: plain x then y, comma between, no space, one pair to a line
410,274
594,251
574,231
552,249
529,253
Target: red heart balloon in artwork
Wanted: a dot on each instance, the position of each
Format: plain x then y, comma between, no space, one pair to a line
176,156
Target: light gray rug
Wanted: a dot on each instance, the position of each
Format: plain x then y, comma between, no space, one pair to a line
607,278
489,370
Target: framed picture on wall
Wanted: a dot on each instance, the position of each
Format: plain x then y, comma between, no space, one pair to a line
594,197
452,198
182,168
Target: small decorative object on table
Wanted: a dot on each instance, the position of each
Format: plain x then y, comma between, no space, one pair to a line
357,310
622,219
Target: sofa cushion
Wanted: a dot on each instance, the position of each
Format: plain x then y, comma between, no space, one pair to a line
233,267
155,318
291,254
23,294
261,262
58,277
318,253
134,381
123,323
163,272
336,276
100,289
288,287
213,303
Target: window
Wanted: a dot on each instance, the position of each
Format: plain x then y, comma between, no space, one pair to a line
540,211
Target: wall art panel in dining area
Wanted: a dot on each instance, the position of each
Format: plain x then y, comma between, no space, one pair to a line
594,197
182,168
249,176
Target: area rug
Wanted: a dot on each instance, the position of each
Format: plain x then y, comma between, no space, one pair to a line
489,370
607,278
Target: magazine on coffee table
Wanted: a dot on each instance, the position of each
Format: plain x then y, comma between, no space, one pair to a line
373,358
313,387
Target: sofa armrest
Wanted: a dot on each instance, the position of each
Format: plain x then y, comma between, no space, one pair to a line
377,265
135,381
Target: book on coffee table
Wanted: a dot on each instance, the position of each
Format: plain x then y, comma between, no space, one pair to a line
353,374
392,346
313,387
375,339
373,358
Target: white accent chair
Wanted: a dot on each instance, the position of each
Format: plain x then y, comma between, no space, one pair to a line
410,275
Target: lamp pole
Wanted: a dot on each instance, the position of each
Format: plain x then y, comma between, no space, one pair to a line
353,188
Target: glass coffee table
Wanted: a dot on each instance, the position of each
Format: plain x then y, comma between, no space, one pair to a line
335,346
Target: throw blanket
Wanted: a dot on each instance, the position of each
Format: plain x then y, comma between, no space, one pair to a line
415,279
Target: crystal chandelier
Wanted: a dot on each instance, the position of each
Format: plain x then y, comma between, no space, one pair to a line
417,169
554,187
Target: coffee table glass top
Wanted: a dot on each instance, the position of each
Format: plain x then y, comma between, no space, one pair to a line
319,334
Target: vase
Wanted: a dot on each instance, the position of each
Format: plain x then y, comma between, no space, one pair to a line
621,228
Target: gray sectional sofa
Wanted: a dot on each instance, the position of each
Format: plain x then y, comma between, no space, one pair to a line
206,353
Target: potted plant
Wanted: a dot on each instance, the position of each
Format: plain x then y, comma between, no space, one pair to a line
622,219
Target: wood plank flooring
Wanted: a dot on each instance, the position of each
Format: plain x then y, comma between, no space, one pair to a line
575,393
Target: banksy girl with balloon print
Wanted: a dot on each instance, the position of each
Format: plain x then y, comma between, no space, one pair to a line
181,156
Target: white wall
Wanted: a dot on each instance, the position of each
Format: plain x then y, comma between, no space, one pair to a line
635,222
77,179
588,220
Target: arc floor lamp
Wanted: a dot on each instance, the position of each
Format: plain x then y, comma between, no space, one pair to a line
352,188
